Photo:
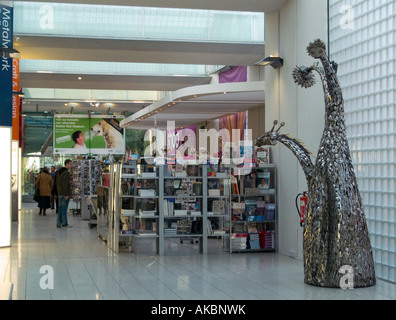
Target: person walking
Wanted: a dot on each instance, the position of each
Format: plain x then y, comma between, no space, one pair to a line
63,188
44,183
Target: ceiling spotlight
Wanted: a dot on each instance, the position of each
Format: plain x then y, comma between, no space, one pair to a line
274,62
19,93
94,104
9,53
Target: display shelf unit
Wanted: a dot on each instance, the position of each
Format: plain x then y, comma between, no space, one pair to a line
182,211
139,210
165,204
218,206
253,210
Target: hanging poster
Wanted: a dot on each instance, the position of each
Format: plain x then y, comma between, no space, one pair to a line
83,134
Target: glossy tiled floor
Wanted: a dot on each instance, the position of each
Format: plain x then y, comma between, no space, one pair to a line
85,269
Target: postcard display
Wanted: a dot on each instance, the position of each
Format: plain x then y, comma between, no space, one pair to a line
253,207
85,176
162,207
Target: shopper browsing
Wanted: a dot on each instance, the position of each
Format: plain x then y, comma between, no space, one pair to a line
44,183
63,188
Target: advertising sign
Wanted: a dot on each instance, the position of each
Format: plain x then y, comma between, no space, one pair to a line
84,134
15,100
6,33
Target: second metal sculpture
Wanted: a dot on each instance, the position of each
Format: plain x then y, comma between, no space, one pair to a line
336,239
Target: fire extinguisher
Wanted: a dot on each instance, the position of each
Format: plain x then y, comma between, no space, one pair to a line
303,206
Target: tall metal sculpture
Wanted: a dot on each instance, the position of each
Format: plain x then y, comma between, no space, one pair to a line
336,238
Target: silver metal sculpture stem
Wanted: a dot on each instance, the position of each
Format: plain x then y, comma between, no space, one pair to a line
335,234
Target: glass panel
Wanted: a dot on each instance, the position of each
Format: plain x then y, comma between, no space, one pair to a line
122,22
113,68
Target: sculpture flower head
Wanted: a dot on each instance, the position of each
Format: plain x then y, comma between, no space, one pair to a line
316,49
304,76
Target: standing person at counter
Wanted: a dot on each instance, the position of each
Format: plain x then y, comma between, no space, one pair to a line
63,188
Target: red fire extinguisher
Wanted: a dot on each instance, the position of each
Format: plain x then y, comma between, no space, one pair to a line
303,206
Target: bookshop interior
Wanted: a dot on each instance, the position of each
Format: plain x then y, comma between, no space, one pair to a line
193,140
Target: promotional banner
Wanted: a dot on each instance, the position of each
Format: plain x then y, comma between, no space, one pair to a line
6,34
15,100
84,134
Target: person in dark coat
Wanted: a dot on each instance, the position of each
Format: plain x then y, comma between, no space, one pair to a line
44,183
63,188
54,196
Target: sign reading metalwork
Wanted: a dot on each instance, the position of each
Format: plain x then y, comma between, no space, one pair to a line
6,34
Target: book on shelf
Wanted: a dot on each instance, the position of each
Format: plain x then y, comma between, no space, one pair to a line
192,170
254,240
146,192
239,241
170,231
148,213
209,225
249,180
218,232
270,211
262,155
234,185
218,207
169,206
125,223
214,192
267,239
180,212
238,211
211,171
181,174
252,228
251,207
127,212
263,180
146,233
261,208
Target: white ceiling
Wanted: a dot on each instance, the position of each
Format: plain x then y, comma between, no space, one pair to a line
198,104
196,110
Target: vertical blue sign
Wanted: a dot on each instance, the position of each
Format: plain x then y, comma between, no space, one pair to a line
6,38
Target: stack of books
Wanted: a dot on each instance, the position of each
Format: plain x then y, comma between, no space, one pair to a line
238,241
254,241
146,192
170,231
267,239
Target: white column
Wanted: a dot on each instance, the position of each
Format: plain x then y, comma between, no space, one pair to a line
287,34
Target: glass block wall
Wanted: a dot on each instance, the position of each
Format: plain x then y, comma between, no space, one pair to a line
363,43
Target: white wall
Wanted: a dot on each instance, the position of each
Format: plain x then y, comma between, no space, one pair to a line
288,33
